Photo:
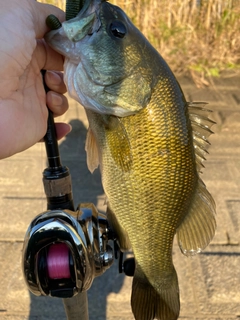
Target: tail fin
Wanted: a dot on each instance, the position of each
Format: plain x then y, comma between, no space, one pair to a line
161,303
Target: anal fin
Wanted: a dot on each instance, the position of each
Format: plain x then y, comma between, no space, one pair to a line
198,227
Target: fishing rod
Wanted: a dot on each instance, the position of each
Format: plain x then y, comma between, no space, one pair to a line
65,249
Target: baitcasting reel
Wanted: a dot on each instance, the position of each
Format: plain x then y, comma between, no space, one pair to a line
64,251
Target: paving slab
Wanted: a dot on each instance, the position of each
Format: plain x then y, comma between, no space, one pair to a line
209,283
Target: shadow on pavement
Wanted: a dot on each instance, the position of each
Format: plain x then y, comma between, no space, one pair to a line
87,187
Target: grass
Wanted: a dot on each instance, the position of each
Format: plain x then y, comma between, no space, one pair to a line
197,36
58,3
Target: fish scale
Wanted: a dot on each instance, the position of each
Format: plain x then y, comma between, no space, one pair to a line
150,145
159,186
159,196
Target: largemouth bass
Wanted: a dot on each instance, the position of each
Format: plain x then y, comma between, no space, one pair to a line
150,144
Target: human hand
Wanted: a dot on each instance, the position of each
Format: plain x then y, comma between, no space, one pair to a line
23,54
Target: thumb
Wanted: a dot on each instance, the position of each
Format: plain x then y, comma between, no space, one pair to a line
40,13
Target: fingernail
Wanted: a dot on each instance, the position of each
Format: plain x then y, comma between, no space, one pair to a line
53,77
70,128
56,99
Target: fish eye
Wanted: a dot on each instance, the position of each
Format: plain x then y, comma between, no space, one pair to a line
118,29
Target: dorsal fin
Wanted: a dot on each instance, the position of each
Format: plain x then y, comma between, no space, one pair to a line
201,128
198,227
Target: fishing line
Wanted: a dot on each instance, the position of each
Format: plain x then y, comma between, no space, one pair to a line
58,261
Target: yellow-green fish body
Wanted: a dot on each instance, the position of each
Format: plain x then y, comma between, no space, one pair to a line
150,144
150,179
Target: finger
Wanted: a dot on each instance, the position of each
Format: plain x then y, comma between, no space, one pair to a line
62,129
54,81
40,13
57,103
47,58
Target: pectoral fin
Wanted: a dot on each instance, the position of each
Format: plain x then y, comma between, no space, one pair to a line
118,143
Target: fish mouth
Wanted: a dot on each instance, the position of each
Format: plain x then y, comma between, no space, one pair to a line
87,22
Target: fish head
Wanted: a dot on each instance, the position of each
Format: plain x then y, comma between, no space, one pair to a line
105,67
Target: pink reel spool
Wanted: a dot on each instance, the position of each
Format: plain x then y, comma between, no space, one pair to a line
58,261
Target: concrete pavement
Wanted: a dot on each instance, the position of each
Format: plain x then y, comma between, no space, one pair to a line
209,282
